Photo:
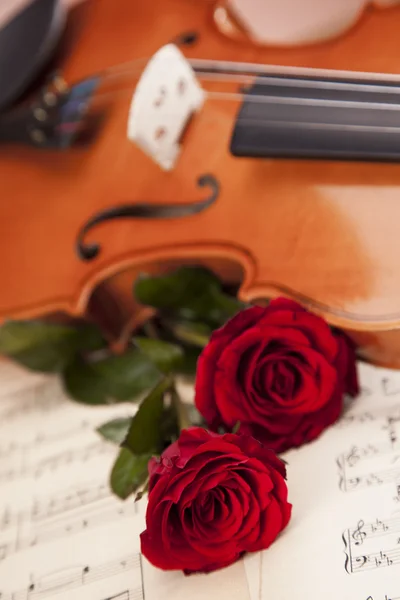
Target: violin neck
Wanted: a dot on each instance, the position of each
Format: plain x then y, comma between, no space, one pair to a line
299,117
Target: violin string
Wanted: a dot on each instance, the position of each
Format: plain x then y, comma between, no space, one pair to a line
278,79
275,81
279,123
271,99
271,75
256,69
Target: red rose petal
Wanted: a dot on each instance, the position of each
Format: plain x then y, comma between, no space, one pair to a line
271,525
233,484
316,329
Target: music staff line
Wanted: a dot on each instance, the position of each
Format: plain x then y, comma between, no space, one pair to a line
44,438
56,506
385,598
56,460
75,577
359,453
383,477
374,560
56,530
45,398
368,560
374,529
136,594
368,416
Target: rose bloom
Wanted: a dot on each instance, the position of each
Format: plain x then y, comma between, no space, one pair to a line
212,498
280,371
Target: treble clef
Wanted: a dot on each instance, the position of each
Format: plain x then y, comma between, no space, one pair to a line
358,534
353,456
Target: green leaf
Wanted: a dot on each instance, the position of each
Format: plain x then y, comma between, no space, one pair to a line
188,365
115,430
180,409
192,293
145,432
129,473
47,347
196,334
129,375
121,378
167,357
169,429
82,383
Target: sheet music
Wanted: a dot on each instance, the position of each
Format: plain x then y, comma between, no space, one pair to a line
63,535
344,537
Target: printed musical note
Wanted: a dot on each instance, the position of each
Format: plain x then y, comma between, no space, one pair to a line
386,597
56,461
354,466
34,532
358,418
369,536
126,595
353,456
46,441
379,526
70,578
43,398
389,389
353,483
41,439
67,501
358,535
56,508
3,551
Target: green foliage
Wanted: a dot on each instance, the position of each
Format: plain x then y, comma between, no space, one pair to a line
153,427
116,430
180,409
188,332
188,364
167,357
190,304
47,347
144,434
129,473
188,294
114,379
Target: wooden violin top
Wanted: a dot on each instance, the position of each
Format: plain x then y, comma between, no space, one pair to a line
324,232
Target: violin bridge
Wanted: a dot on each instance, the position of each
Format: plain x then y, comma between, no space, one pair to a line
164,101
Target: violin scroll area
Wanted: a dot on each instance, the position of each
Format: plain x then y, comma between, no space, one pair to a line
165,99
56,119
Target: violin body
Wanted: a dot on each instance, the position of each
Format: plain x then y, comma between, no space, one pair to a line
322,232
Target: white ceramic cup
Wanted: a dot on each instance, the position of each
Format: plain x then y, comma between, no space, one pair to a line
288,22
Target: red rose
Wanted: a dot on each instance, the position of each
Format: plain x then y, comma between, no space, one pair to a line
211,499
280,371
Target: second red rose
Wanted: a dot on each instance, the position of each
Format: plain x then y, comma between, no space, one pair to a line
280,371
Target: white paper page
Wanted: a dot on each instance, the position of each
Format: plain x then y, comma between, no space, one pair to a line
63,535
343,542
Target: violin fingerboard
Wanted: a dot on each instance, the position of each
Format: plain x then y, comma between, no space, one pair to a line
325,119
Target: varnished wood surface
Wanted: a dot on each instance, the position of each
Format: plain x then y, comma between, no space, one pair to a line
324,233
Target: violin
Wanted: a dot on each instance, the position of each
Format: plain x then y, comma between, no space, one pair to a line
156,140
